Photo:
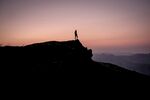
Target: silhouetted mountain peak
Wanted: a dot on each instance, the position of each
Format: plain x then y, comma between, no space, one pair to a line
66,49
66,57
49,43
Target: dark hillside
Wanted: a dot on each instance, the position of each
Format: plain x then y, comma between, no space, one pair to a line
64,59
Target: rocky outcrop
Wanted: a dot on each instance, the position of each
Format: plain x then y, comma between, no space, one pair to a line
67,59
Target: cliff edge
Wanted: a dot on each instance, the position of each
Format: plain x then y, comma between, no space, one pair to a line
66,59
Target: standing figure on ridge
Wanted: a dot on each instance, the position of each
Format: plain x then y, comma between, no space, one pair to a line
76,35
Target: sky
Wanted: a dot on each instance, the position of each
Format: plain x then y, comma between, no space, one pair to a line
105,26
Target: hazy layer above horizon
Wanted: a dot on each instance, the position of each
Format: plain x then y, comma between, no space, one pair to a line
112,26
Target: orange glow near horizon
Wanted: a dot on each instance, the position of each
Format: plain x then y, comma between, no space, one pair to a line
101,24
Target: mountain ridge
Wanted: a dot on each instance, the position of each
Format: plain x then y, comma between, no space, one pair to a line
137,62
69,58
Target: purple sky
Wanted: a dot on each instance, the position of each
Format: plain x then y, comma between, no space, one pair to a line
113,26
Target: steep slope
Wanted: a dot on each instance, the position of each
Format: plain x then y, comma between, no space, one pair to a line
63,59
136,62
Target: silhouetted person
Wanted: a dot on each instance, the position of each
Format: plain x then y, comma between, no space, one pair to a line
76,35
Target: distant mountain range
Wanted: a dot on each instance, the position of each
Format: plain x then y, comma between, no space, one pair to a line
136,62
66,59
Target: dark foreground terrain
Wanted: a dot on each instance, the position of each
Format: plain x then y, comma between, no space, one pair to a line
60,60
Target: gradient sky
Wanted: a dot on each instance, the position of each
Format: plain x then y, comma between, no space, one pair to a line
112,26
